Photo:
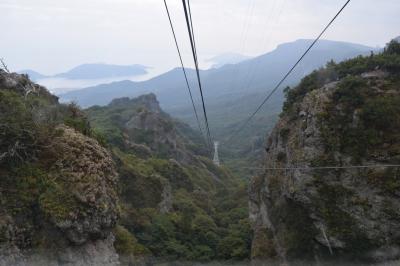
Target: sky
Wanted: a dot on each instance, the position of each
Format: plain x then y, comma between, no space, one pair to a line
53,36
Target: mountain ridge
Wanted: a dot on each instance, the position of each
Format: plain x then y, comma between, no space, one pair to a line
249,73
227,58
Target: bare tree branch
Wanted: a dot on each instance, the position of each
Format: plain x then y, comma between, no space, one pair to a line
4,66
27,89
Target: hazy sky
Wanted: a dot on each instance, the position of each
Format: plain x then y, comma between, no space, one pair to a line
54,35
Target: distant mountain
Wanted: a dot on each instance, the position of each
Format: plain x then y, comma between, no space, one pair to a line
102,92
98,71
168,82
33,75
397,39
230,81
227,58
92,71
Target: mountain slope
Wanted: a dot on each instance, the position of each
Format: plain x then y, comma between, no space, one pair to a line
227,58
174,199
344,115
164,83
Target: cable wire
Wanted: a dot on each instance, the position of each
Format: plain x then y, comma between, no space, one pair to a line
323,167
247,81
192,42
242,40
183,68
192,29
290,71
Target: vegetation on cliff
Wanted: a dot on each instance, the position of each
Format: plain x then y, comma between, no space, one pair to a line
342,115
57,184
388,61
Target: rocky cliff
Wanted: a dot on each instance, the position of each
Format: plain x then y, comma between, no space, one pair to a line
343,115
141,126
57,183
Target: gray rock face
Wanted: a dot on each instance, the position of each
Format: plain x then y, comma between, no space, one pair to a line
22,84
93,253
143,123
154,128
317,214
91,170
165,206
148,101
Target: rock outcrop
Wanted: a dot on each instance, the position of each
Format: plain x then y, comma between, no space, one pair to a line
139,124
87,182
301,209
57,186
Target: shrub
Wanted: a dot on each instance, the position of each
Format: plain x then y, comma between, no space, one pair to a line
126,244
19,135
392,48
382,113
